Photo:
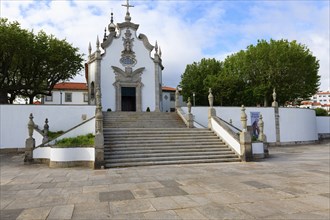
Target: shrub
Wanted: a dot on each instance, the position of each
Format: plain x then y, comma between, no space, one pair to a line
148,109
321,112
54,134
79,141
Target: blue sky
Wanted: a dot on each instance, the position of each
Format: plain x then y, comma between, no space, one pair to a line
187,31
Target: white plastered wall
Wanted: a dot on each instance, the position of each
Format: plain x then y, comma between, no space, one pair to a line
296,125
77,98
14,119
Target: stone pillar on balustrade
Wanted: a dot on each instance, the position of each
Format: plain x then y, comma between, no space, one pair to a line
99,137
45,132
29,142
262,137
177,102
245,138
277,118
190,117
211,111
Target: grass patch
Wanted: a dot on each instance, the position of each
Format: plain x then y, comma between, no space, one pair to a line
79,141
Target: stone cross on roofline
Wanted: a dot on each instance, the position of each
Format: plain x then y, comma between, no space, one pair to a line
128,6
128,17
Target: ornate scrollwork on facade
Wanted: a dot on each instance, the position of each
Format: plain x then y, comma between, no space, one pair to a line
128,75
128,55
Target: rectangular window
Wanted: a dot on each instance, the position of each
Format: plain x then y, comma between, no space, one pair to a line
68,97
172,97
49,98
85,97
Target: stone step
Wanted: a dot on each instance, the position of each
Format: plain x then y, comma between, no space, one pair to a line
141,120
156,130
148,155
143,125
140,139
169,158
155,134
178,142
137,113
169,162
153,163
146,117
166,145
144,138
129,151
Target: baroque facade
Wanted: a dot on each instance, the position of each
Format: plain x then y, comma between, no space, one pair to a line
128,76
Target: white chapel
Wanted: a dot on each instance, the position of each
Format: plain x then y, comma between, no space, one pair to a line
126,73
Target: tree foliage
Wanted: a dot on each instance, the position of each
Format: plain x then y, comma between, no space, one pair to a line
321,112
249,76
31,64
196,76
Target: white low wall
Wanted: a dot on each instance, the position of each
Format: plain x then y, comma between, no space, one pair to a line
297,124
37,138
64,154
323,124
14,119
83,129
226,137
234,113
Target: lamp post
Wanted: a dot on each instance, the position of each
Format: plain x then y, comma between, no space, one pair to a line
194,97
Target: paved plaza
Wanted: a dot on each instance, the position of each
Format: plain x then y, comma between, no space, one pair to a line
292,184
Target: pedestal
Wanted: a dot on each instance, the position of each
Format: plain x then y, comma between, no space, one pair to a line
190,120
246,147
211,113
29,146
99,151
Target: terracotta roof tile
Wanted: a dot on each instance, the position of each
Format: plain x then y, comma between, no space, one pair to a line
323,93
167,88
70,86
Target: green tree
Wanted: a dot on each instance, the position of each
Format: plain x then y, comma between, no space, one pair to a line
321,112
32,64
249,76
287,66
196,79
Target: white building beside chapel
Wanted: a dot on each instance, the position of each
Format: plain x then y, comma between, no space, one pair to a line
67,93
128,75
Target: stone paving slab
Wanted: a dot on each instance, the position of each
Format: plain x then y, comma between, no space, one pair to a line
116,196
294,183
61,212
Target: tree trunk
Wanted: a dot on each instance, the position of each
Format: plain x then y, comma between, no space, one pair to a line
3,97
12,98
265,101
31,100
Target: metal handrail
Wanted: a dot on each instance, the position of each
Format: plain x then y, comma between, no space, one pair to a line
229,124
199,124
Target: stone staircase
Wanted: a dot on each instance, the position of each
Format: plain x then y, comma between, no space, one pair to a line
154,138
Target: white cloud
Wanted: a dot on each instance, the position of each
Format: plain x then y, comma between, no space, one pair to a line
185,30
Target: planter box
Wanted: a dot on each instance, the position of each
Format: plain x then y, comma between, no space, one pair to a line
65,157
258,150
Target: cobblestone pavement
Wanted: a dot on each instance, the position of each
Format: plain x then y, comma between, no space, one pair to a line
292,184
